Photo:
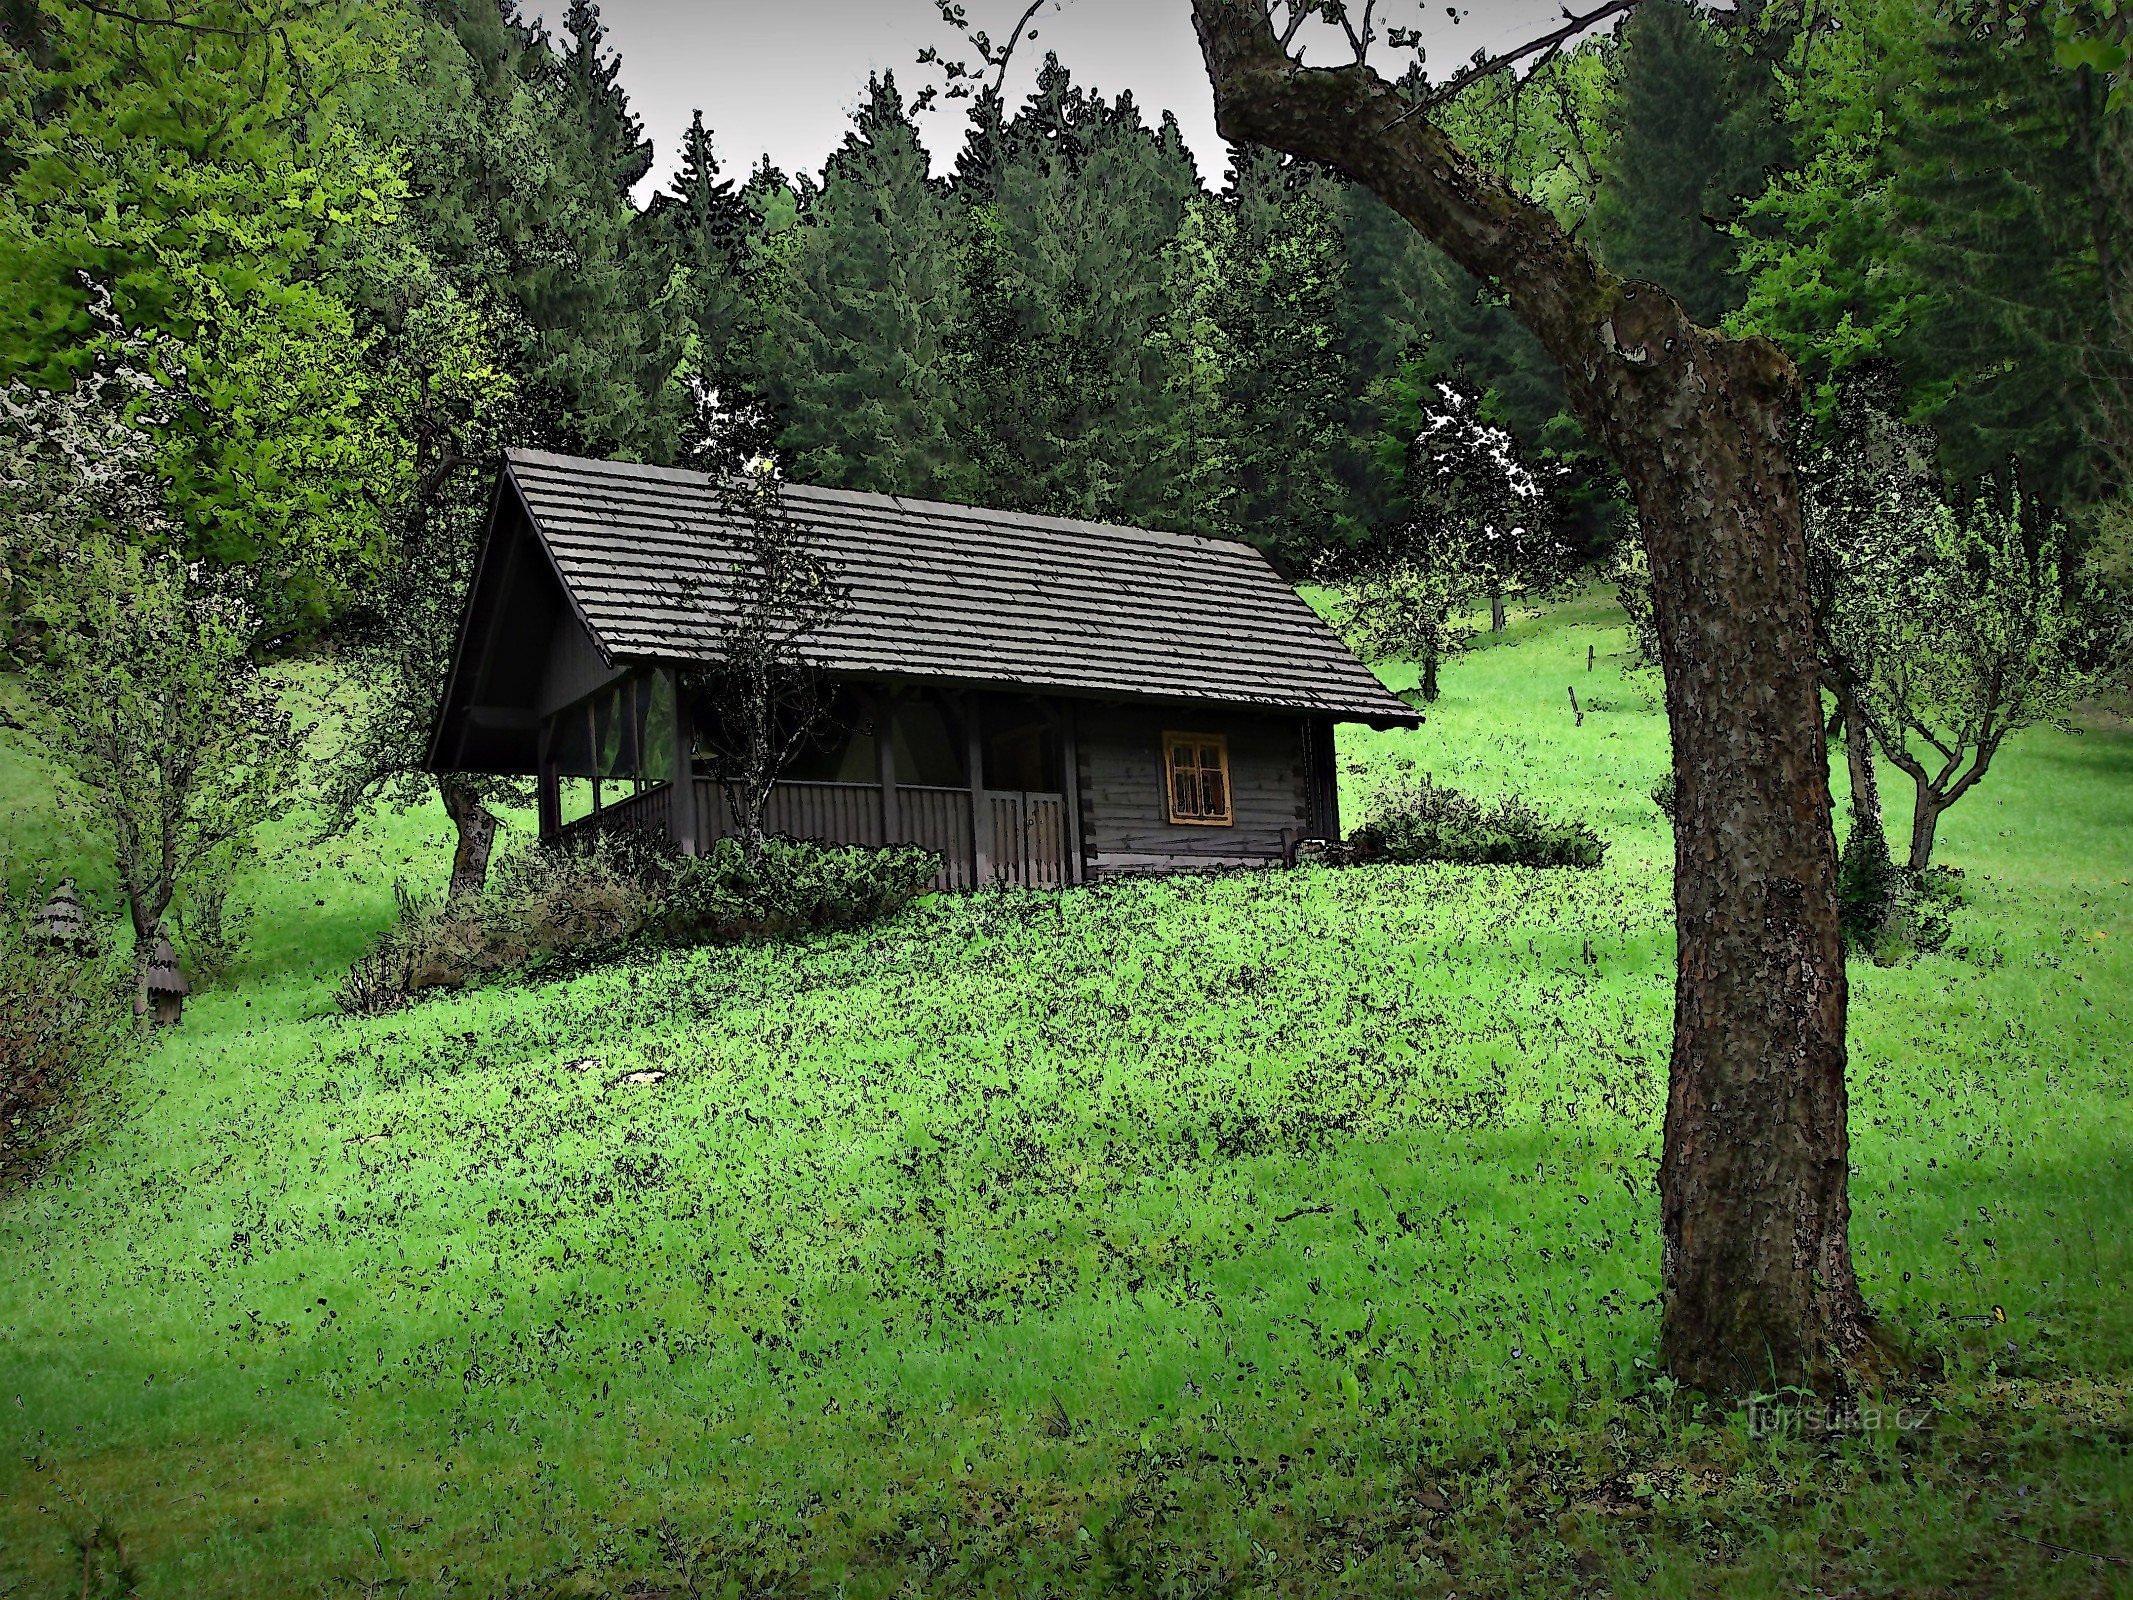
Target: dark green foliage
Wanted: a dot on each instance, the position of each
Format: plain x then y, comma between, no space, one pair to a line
1285,393
2009,211
525,157
1693,126
1889,912
550,909
1076,378
861,306
1418,820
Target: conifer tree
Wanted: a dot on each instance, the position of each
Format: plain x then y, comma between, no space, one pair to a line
1285,390
1073,388
861,317
1693,124
2001,211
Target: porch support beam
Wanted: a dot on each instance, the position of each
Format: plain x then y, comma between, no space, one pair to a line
1070,781
980,813
548,786
885,760
681,793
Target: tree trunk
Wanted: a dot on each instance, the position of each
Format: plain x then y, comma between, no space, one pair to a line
1756,1258
1429,676
476,825
1859,756
1496,617
1925,820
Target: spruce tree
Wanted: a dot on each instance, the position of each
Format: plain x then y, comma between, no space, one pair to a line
2001,213
1285,387
861,310
1692,126
1073,367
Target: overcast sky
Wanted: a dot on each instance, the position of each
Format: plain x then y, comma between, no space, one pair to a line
783,75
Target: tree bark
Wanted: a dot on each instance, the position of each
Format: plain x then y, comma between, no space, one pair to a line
1925,821
476,825
1755,1217
1496,616
1859,756
1429,675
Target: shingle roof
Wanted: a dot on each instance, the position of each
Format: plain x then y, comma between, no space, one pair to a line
952,592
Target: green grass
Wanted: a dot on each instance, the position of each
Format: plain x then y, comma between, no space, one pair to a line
1275,1234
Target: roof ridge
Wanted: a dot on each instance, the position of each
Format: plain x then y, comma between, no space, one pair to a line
900,502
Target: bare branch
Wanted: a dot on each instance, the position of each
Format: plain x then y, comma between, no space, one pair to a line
1547,47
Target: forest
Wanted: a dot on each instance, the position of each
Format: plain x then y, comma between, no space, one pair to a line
393,1201
364,246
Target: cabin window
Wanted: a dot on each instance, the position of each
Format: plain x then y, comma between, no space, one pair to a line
1197,767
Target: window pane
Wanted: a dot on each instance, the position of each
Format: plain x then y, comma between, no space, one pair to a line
1184,788
1214,792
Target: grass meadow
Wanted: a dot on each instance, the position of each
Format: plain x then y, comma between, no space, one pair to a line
1276,1234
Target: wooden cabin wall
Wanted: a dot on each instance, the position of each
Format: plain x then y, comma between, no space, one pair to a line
1124,826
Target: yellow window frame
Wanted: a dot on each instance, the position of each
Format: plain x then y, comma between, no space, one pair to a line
1206,755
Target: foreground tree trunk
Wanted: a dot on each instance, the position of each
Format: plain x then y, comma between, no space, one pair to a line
1755,1217
476,825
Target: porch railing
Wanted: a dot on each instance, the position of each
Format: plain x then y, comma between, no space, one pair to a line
935,819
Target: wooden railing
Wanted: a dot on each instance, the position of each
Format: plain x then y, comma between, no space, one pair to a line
831,813
1029,837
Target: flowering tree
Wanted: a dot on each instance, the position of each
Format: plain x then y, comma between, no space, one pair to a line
142,689
1478,524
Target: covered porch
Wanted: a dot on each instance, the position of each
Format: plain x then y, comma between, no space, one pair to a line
984,781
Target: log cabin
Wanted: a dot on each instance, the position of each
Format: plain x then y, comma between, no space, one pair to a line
1038,701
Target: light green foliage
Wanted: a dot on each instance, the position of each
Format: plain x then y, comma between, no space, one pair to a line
1294,1232
143,695
204,177
1958,628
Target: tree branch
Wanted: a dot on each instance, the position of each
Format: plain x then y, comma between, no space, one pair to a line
1546,46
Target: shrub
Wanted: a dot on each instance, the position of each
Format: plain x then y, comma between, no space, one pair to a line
1889,912
718,897
1425,821
544,908
62,1013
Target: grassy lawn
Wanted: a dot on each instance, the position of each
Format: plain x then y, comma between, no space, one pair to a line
1275,1234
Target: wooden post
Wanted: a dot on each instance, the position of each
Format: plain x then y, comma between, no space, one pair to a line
980,813
1589,652
547,787
681,798
1070,782
885,766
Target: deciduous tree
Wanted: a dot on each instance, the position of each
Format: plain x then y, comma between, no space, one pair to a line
1755,1213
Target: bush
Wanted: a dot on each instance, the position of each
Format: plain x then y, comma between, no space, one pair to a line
1890,913
62,1013
717,898
546,908
1425,821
